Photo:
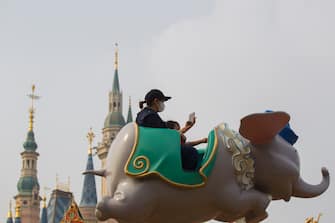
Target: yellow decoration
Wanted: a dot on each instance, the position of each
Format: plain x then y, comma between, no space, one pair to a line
18,211
44,201
241,159
31,110
9,215
311,219
116,63
72,215
142,162
90,136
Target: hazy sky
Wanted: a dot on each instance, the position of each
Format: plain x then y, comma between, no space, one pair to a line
222,59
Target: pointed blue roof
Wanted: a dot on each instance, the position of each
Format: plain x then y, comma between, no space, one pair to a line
9,220
130,115
89,194
44,215
116,83
18,220
9,215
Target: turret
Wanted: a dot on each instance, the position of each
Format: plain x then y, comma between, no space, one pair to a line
89,194
114,120
115,96
28,199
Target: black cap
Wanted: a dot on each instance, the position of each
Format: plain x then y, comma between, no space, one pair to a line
155,93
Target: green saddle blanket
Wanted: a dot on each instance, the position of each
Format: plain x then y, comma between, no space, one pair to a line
157,152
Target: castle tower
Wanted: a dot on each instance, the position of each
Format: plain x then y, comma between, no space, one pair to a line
89,195
114,120
9,215
28,199
44,215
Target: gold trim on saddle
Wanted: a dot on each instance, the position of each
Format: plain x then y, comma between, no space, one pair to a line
241,159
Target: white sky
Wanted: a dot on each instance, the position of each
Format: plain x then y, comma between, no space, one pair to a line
222,59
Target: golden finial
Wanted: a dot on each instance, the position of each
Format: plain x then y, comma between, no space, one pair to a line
9,215
57,181
31,110
44,201
129,101
90,136
18,211
309,220
116,62
68,183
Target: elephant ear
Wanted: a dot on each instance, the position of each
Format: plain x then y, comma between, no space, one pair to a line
260,128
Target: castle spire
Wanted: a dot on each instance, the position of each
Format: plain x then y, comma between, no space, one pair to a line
130,114
28,186
116,60
44,215
9,215
89,194
115,117
31,110
30,144
90,136
116,84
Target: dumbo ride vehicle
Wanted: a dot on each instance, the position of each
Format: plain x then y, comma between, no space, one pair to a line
238,174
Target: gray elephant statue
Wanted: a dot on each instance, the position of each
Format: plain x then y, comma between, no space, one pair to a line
237,176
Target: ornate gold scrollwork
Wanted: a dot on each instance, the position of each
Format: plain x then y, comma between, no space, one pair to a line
241,159
141,162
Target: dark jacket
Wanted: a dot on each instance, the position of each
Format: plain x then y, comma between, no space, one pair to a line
149,118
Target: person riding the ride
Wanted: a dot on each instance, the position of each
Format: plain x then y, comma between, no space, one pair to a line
149,117
189,124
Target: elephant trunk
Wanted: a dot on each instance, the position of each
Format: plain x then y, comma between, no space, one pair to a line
102,211
305,190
